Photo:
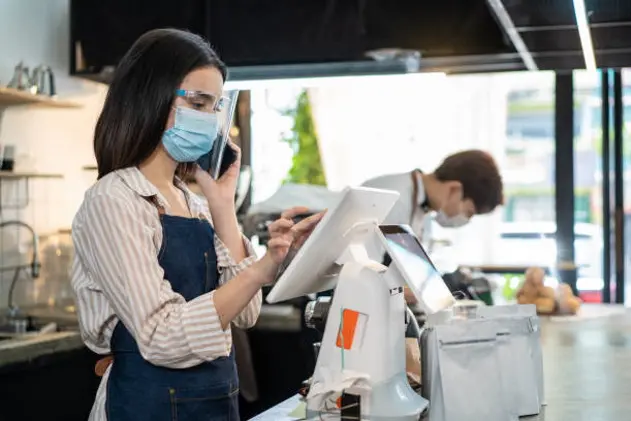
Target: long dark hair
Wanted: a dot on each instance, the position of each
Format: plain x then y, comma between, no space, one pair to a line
140,96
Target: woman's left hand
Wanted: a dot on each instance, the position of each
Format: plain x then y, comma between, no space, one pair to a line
221,192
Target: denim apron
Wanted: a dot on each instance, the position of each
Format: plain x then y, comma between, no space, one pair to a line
140,391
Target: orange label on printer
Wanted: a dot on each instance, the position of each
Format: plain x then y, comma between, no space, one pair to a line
347,330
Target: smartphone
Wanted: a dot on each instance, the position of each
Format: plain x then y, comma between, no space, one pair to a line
208,162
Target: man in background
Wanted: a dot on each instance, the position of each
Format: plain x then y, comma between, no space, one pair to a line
465,184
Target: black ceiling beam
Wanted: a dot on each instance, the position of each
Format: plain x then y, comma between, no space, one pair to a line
550,33
452,65
506,22
601,25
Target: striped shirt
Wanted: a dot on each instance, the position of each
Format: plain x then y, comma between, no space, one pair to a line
116,277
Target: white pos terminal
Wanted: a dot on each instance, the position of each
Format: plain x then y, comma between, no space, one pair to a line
360,370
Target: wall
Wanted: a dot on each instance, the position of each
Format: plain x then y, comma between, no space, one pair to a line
47,140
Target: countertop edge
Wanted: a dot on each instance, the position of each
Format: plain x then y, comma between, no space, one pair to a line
24,350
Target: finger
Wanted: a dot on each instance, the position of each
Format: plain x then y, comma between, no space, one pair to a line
300,238
234,145
293,212
278,243
202,177
198,170
298,242
307,223
236,149
280,226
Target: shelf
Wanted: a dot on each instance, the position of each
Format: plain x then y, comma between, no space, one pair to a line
10,97
19,175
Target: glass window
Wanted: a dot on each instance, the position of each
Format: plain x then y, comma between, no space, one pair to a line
588,245
371,126
626,160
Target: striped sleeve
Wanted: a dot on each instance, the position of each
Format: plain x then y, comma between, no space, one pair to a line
118,252
229,269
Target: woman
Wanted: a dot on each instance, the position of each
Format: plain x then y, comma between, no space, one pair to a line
160,274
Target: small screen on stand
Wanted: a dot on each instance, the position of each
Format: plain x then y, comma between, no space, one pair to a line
422,277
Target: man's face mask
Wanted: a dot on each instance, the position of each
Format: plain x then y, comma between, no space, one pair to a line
447,221
453,215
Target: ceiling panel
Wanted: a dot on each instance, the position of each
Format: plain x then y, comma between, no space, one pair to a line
614,37
566,40
527,13
574,60
548,30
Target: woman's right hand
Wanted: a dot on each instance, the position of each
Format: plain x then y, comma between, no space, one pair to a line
284,233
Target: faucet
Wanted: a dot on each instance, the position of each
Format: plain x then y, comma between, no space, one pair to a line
35,264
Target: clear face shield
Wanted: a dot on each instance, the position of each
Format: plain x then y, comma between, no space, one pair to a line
220,157
225,116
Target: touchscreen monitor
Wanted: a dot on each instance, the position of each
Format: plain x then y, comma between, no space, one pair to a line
419,272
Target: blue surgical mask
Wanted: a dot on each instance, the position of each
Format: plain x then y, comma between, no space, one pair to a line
192,135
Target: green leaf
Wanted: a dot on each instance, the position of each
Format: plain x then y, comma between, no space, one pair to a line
306,163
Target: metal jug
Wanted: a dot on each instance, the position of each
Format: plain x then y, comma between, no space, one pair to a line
21,79
43,81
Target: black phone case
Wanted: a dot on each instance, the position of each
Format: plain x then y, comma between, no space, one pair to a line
204,162
228,158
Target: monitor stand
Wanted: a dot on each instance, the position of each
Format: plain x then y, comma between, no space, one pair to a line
361,361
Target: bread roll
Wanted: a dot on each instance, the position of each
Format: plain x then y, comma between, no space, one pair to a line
545,305
535,276
569,305
547,292
565,290
527,293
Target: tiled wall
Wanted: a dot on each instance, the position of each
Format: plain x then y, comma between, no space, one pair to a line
47,140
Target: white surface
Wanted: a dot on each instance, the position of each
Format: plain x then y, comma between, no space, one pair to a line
418,271
375,360
589,312
529,312
329,240
280,412
466,379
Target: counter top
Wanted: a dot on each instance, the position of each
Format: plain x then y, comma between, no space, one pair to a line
587,360
278,317
24,349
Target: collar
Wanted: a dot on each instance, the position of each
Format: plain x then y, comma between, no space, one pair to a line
421,200
138,183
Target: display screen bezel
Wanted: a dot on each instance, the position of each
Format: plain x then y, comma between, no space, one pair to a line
418,289
402,229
